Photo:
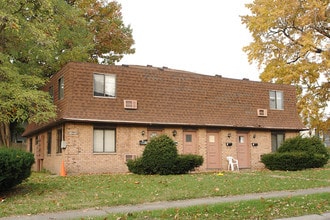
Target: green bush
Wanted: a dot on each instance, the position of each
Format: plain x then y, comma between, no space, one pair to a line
312,145
188,162
296,154
160,156
15,166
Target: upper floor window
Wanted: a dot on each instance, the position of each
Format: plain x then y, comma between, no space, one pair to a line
276,99
61,88
105,85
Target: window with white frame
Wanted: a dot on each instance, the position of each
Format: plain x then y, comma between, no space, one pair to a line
276,99
104,140
277,140
104,85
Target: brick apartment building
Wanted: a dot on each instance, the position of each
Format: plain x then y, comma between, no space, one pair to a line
106,115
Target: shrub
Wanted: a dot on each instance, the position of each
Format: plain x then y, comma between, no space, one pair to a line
296,154
312,145
160,156
135,166
188,162
15,166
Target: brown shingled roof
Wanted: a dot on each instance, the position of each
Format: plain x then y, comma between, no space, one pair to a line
172,97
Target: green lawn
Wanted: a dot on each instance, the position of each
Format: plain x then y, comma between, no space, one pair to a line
49,193
254,209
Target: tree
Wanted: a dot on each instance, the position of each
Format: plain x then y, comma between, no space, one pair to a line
112,39
38,37
291,44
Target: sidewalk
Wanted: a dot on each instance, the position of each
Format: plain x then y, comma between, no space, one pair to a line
92,212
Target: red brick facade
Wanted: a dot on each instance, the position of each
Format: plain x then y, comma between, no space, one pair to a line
209,111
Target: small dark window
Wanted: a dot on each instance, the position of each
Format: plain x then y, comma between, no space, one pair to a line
61,88
188,138
49,142
59,139
30,145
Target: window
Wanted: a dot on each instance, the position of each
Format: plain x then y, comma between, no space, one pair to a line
276,99
104,140
51,93
277,140
188,138
37,140
49,142
61,88
30,145
104,85
59,139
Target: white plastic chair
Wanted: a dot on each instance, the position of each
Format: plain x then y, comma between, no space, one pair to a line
232,162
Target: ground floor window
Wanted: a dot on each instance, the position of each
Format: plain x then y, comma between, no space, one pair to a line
49,142
277,140
104,140
59,139
30,145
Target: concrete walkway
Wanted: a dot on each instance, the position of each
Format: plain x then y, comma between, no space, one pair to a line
92,212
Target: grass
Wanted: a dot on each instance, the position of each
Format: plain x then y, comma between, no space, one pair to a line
49,193
254,209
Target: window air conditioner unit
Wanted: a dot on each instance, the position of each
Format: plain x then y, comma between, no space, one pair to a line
130,104
130,157
262,112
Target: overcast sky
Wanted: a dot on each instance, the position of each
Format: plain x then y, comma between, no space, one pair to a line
199,36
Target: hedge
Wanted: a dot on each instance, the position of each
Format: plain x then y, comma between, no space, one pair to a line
296,154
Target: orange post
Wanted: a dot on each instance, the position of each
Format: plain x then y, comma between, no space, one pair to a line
62,173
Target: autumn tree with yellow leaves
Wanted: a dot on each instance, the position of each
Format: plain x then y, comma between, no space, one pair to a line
291,44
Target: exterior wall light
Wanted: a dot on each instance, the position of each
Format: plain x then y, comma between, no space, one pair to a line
142,133
254,144
229,144
174,133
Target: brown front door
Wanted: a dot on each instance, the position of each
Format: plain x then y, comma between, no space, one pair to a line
213,151
243,151
189,142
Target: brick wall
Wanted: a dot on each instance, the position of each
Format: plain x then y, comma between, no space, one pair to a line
79,157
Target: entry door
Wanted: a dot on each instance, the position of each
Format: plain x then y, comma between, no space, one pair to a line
213,151
243,151
189,142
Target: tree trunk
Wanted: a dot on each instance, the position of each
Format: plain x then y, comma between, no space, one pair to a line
5,134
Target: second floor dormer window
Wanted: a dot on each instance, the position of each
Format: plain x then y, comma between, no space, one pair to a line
276,100
104,85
